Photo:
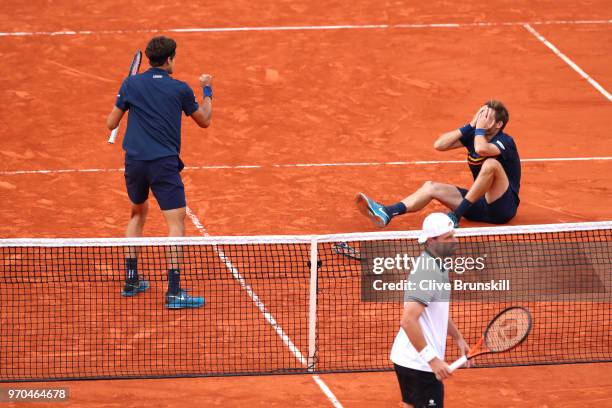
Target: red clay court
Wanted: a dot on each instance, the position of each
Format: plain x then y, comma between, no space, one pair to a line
314,102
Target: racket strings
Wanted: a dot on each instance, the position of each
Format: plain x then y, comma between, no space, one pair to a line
135,67
508,330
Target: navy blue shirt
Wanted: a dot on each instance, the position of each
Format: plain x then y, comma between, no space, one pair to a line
155,101
509,157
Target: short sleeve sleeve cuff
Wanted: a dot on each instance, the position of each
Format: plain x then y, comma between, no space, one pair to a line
467,132
192,108
189,102
416,298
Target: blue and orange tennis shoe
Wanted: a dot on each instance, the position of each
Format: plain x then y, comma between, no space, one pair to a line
373,210
182,300
134,288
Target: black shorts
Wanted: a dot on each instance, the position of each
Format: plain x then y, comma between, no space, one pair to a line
499,211
161,175
421,389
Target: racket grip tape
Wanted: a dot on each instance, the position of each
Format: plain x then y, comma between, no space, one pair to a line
461,361
113,135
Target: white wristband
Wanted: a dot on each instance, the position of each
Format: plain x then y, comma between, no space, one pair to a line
428,353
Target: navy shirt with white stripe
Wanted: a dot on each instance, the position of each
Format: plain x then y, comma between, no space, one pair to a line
509,157
156,102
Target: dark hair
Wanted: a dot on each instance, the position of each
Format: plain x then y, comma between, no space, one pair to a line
501,113
159,49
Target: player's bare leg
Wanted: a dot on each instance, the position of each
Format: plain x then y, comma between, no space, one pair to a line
177,298
492,182
446,194
175,219
133,283
138,216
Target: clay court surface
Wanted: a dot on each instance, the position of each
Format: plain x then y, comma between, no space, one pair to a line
304,118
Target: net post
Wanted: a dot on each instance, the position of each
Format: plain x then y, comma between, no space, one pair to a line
312,307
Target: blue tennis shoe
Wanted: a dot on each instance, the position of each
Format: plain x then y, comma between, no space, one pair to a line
454,219
183,301
373,210
132,289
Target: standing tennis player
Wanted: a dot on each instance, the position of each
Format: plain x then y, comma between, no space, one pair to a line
152,144
495,165
418,349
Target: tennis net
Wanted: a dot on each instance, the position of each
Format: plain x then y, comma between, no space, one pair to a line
285,304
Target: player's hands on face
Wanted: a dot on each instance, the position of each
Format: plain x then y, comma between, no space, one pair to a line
486,119
440,369
205,80
476,115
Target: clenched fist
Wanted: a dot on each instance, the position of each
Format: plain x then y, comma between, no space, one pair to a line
205,80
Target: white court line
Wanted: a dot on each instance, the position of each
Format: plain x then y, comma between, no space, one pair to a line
297,28
58,171
568,61
330,395
299,165
249,290
262,308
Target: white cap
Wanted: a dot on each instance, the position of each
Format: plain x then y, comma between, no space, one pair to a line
434,225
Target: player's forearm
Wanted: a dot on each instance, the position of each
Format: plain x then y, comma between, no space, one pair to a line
110,124
447,140
480,143
207,110
453,331
203,115
483,148
113,119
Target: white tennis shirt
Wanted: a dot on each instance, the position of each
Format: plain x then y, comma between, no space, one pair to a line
433,320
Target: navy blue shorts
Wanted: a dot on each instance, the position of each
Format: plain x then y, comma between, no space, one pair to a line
161,175
499,211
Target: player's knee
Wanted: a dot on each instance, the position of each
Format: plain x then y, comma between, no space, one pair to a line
139,210
176,229
176,222
428,186
490,165
433,189
179,215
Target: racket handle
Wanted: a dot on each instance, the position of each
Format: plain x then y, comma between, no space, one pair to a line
461,361
113,135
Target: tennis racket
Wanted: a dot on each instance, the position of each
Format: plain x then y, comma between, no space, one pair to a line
344,249
507,330
134,68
